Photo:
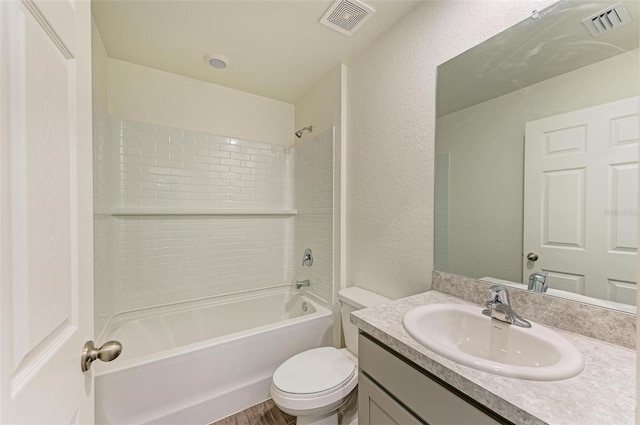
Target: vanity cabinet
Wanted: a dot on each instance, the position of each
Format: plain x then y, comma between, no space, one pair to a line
394,391
375,406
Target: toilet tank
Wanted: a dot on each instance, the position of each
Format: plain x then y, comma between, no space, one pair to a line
351,299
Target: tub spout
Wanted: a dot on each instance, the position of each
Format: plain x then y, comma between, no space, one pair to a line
302,283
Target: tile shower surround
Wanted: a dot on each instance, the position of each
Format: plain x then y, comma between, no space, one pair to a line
157,259
166,167
101,217
164,259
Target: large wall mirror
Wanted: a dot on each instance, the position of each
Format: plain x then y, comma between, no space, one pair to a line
537,154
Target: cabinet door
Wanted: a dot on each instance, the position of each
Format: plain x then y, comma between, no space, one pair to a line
376,407
426,398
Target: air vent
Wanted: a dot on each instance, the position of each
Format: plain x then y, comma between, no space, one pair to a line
346,16
607,20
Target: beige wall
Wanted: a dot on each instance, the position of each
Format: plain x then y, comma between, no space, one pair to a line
487,169
99,60
148,95
320,105
391,91
390,140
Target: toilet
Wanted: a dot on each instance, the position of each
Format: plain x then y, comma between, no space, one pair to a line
314,384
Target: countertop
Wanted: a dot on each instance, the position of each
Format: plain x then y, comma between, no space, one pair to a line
604,393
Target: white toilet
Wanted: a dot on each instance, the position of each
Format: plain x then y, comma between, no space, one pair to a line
314,384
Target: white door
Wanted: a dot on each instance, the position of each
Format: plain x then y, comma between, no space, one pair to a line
581,200
46,270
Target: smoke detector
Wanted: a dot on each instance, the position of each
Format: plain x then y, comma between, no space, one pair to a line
346,16
608,19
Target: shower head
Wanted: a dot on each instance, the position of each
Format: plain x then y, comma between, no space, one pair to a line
301,131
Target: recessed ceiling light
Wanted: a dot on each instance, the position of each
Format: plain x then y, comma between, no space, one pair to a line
216,60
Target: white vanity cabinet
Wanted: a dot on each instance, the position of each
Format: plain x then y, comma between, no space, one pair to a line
393,391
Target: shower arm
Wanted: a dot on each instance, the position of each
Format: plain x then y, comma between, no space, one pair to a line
300,132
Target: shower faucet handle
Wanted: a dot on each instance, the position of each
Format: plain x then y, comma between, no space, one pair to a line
307,259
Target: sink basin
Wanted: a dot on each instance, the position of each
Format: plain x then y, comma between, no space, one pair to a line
463,334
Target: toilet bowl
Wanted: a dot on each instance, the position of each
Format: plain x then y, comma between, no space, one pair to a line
314,384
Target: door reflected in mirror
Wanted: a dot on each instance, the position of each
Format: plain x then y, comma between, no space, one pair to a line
537,156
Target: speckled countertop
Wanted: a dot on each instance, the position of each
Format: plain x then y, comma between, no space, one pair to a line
604,393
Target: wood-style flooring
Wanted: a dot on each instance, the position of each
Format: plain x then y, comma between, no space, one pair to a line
265,413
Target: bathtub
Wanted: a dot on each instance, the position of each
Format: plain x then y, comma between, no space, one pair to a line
198,362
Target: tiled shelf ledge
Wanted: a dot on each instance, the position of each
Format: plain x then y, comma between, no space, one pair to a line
203,211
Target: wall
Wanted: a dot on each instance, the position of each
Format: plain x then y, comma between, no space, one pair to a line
165,145
173,258
162,255
318,228
391,91
390,149
484,155
314,221
162,167
102,272
321,106
138,93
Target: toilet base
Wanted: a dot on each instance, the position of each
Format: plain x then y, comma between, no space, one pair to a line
328,419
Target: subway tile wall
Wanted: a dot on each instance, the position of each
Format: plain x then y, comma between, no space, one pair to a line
147,260
166,259
101,155
166,167
314,202
103,296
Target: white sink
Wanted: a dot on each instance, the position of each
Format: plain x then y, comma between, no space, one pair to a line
463,334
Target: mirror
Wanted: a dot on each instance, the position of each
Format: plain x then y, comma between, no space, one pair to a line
537,154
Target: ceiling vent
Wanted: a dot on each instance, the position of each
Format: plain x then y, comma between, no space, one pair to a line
606,20
346,16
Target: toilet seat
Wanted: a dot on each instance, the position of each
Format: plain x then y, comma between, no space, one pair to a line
314,381
314,373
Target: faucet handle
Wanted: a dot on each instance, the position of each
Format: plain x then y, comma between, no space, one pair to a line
538,275
307,259
538,282
499,294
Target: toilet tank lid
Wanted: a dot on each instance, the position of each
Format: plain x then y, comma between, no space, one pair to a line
361,298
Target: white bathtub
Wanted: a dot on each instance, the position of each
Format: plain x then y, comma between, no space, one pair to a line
198,362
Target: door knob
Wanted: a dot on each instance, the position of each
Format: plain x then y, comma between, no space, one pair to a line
532,256
110,350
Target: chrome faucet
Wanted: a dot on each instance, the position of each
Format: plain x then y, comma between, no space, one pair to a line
538,282
302,283
498,307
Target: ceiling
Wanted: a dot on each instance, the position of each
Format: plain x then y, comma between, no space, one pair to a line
277,49
554,43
